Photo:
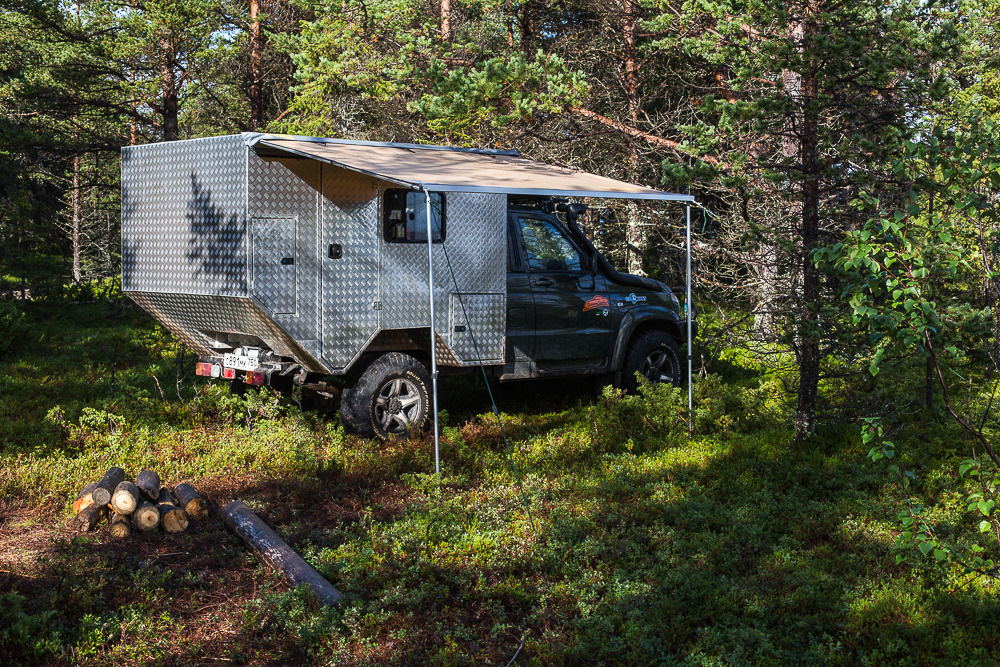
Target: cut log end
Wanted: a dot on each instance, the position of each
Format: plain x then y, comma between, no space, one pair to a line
146,517
125,498
85,498
121,526
172,518
191,502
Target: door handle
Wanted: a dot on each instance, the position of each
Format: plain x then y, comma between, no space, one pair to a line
542,281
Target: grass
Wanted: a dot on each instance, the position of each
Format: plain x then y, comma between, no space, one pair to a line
636,546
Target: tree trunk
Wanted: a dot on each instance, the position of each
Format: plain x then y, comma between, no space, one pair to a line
256,83
88,518
808,326
527,23
446,20
275,553
76,218
635,235
929,383
169,84
133,132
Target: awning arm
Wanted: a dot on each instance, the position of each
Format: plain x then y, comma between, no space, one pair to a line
430,292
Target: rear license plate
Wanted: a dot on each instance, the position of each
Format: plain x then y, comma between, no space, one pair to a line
240,362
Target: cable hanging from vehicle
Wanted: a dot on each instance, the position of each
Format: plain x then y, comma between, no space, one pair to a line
489,390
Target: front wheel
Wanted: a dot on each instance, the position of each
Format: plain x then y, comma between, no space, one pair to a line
656,356
390,399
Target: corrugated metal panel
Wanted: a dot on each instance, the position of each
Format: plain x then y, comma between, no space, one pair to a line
184,217
289,187
350,299
273,263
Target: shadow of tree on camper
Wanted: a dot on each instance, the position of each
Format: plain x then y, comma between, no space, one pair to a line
216,244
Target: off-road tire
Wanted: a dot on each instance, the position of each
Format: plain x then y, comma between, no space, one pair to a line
390,399
655,354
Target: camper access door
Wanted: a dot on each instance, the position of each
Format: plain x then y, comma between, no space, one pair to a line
350,264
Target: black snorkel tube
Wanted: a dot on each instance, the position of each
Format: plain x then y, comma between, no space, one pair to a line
574,211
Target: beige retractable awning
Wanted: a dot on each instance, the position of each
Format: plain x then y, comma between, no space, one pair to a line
446,169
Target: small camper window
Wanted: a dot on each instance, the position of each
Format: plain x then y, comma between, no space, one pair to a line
405,216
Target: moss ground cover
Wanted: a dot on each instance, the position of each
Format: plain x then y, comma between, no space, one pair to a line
636,544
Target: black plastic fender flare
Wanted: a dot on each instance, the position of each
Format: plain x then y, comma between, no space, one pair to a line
633,320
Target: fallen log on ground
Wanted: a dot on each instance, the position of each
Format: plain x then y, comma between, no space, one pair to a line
275,552
112,478
149,483
190,501
88,518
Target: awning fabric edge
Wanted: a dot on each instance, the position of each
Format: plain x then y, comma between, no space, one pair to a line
542,192
648,195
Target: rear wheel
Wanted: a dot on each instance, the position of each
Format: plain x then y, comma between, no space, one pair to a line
656,356
390,399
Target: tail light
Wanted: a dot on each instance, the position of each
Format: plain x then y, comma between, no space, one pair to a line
208,370
256,378
229,373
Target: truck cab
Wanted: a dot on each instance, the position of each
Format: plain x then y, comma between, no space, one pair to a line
570,313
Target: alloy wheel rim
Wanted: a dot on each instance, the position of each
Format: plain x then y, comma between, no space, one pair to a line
398,406
658,367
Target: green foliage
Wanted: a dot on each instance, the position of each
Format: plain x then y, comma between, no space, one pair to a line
644,546
293,612
500,91
12,327
638,422
904,265
26,637
918,534
907,270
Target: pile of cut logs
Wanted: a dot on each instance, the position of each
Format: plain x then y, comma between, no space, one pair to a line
141,505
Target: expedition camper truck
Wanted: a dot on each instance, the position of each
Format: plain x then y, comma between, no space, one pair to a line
298,261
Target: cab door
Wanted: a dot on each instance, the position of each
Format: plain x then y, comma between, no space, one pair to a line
572,309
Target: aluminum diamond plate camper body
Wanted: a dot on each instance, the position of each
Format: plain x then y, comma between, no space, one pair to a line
229,244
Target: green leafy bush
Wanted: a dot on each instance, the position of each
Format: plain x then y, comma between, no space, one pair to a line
621,421
24,637
13,327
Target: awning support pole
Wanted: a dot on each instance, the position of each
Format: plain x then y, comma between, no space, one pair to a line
688,308
434,366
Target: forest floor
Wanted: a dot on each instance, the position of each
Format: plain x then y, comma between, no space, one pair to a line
619,540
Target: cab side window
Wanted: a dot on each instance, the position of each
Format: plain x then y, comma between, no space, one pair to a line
546,248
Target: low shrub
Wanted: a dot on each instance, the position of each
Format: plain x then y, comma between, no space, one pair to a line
13,327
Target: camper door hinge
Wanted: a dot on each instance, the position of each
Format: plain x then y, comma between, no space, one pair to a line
377,305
